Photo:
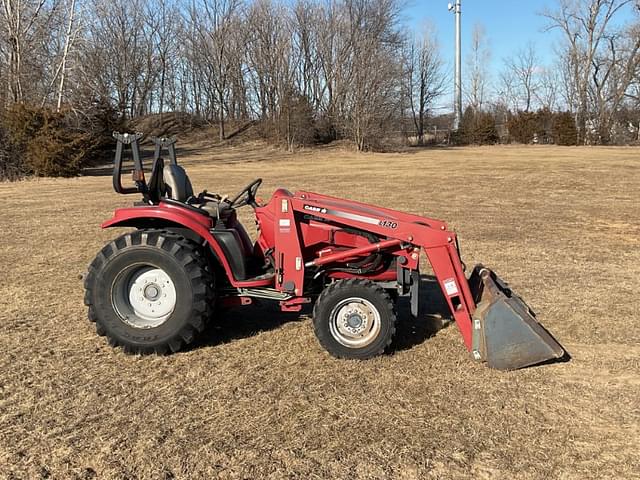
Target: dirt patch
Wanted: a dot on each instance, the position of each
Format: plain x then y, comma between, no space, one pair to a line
258,398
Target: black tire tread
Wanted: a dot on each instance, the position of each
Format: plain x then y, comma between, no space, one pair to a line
375,289
193,259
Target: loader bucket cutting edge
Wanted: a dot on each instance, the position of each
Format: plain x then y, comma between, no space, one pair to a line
506,333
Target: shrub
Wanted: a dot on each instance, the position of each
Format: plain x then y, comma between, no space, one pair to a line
522,126
544,125
56,151
11,165
42,142
545,119
477,127
296,124
99,121
564,129
325,130
527,127
293,126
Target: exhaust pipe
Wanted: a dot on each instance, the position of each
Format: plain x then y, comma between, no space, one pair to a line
506,333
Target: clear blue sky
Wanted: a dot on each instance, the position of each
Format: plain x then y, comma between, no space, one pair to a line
509,26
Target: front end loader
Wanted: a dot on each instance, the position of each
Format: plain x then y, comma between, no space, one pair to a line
154,289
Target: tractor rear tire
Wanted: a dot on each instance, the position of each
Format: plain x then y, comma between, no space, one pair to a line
354,319
149,291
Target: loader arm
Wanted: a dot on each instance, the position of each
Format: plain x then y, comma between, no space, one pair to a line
405,235
496,325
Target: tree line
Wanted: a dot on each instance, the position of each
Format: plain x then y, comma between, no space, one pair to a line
311,70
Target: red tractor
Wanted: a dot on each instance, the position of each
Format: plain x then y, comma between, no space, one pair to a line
154,289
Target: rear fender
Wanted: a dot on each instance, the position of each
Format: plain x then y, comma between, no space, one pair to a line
165,215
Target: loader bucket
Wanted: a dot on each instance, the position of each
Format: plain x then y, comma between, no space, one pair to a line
506,333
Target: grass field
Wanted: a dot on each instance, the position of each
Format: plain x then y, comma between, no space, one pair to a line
258,398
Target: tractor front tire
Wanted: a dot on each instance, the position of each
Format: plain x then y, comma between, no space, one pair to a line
149,291
354,319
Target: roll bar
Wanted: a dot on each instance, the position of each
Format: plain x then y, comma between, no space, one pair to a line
168,143
132,139
123,139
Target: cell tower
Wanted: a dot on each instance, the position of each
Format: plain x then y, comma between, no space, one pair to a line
457,94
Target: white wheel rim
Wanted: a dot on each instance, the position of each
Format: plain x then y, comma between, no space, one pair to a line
144,296
354,322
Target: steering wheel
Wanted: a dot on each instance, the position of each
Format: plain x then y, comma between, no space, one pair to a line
247,195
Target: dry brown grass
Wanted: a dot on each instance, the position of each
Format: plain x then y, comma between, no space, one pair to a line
258,398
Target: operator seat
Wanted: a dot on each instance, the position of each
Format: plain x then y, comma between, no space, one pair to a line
169,181
177,184
172,182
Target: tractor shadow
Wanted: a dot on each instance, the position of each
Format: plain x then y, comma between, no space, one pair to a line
433,316
235,323
243,322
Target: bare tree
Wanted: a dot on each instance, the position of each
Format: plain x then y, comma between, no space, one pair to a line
633,95
375,68
613,73
165,43
519,78
69,39
330,68
307,34
215,23
601,59
426,80
118,59
334,50
65,28
547,93
25,30
477,77
568,88
507,91
269,52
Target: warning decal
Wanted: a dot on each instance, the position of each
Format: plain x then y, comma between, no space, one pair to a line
450,287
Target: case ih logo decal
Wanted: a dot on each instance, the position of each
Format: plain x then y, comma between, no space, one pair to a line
311,208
